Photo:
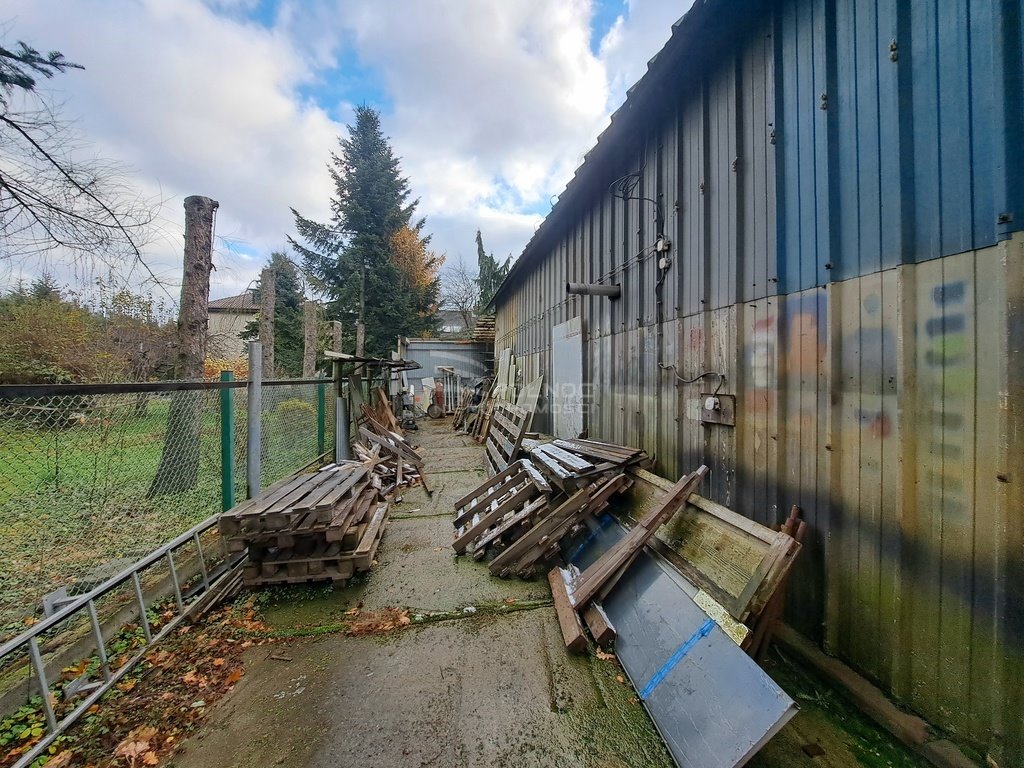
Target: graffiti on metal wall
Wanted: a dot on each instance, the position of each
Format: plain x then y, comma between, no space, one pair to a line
803,341
947,382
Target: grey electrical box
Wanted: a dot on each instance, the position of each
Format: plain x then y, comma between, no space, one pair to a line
718,409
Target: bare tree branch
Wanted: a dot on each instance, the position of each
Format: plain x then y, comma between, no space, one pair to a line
460,291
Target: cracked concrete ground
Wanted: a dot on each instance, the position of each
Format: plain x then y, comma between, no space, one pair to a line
493,687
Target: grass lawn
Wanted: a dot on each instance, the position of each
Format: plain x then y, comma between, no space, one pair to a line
73,496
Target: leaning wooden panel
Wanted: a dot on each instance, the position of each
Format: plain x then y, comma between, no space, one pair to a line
505,435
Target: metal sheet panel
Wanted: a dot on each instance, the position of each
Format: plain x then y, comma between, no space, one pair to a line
567,392
715,707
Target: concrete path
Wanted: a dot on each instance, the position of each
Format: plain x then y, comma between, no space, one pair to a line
484,680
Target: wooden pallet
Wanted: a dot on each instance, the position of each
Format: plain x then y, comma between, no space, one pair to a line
492,513
304,503
321,560
505,435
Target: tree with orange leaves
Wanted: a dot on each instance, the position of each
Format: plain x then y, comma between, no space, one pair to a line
418,269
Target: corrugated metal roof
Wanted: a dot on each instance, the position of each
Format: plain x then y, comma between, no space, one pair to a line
244,302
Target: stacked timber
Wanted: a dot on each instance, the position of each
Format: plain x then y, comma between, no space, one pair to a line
324,526
571,464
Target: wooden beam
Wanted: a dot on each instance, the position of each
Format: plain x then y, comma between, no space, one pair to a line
603,574
568,619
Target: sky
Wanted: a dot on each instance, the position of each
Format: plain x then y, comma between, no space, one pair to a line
489,104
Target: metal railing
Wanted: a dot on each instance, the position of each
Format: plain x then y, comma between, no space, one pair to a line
27,643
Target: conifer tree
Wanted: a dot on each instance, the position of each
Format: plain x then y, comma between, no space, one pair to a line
490,274
349,259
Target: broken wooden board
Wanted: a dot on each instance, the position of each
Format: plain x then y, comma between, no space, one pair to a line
568,619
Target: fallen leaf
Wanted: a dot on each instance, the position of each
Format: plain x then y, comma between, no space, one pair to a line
190,677
235,676
59,760
142,733
604,656
131,749
127,685
620,679
166,695
150,758
352,612
218,662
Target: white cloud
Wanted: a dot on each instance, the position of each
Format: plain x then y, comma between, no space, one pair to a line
490,104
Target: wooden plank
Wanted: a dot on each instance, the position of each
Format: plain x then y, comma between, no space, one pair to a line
608,569
535,476
600,626
568,619
570,460
549,463
492,516
309,501
266,500
336,494
542,532
379,516
495,459
244,507
490,482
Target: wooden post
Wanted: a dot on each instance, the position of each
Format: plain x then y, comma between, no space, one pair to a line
336,330
309,317
179,464
360,338
267,298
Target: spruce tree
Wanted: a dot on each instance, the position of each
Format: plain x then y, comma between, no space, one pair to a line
349,258
490,274
288,332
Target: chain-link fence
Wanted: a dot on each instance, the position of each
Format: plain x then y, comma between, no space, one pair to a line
93,478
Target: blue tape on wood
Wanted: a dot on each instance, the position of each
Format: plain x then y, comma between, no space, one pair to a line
702,631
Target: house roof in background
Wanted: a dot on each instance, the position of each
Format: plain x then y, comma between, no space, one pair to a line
244,302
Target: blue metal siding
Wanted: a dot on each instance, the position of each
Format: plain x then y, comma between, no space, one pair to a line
827,260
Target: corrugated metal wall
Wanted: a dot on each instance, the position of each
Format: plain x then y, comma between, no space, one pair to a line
469,359
839,187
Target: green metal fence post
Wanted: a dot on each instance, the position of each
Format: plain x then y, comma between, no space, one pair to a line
227,443
321,418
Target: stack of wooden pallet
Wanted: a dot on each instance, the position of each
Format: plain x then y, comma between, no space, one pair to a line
314,527
512,516
571,464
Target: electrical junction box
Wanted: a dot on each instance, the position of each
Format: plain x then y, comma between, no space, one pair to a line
717,409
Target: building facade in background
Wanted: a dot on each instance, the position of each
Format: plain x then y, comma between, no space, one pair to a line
228,318
841,184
